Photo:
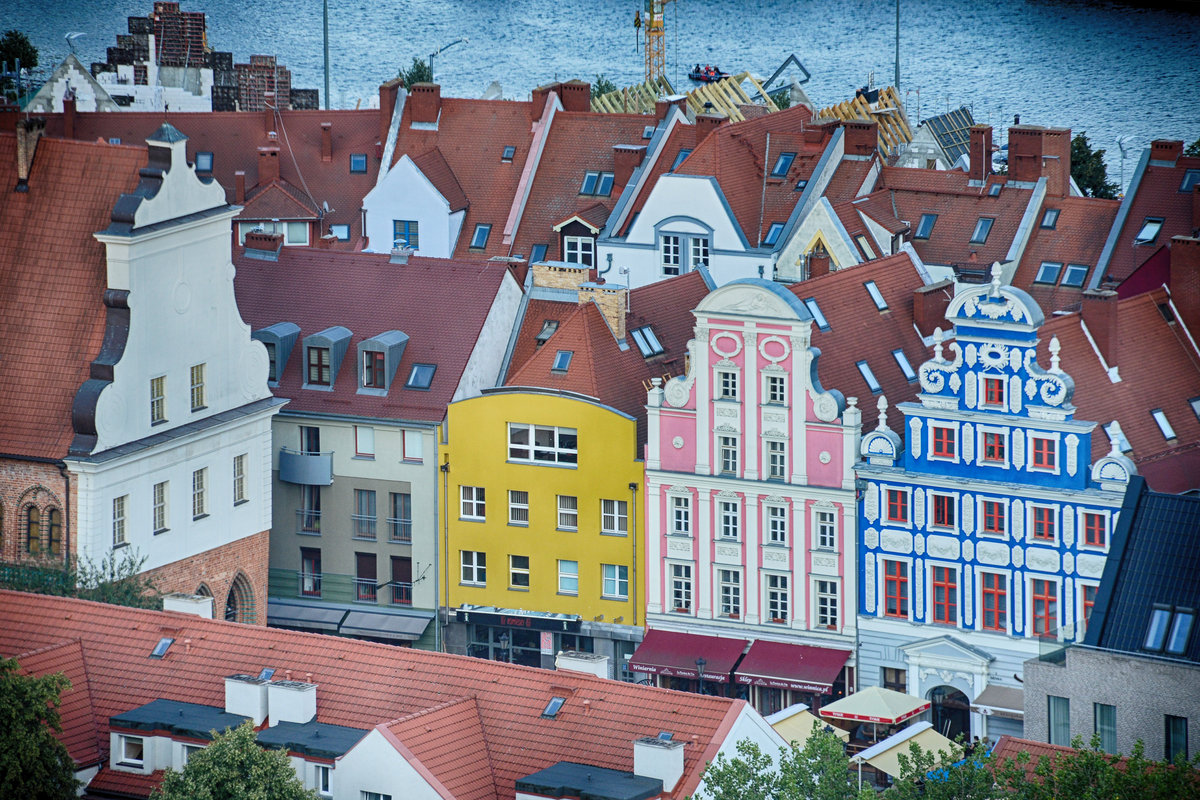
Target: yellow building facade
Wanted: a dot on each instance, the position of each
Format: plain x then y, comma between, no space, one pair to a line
541,547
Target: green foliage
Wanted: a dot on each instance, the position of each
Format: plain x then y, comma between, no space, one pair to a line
111,580
33,764
749,774
602,86
782,98
943,776
1088,170
419,72
15,45
235,767
1193,149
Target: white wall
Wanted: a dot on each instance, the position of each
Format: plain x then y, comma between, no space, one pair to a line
748,725
374,765
483,367
405,193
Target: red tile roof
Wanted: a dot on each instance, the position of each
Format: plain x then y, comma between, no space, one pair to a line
117,783
1007,748
278,200
467,765
370,296
847,179
80,734
53,274
434,167
682,137
1158,196
364,684
1077,238
878,206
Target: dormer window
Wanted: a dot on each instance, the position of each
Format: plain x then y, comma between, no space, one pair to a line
598,184
647,342
131,751
507,155
279,340
323,353
1149,232
782,165
372,370
204,162
925,226
378,359
318,366
982,228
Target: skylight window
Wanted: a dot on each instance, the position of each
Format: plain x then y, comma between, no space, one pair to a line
800,184
782,165
905,367
864,244
479,240
665,736
648,132
421,376
647,342
1181,629
114,140
266,674
1195,404
548,329
1048,272
925,226
204,162
1075,275
773,233
539,253
869,377
1050,218
161,648
982,228
1156,632
994,189
507,155
684,152
1149,231
1190,179
597,183
358,162
876,295
1159,417
562,360
1114,432
553,707
815,310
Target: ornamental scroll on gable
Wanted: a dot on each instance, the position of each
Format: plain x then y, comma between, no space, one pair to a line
995,329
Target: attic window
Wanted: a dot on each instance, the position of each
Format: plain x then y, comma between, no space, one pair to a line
869,377
1195,404
161,648
1156,632
994,189
773,233
548,329
597,183
1075,275
683,153
800,184
342,232
1050,218
782,165
876,295
562,360
1190,179
539,253
1181,629
1048,272
479,240
815,310
507,155
647,342
905,367
1149,231
358,162
925,226
1159,417
864,244
266,674
1112,429
665,736
204,162
114,140
647,131
982,228
552,708
421,376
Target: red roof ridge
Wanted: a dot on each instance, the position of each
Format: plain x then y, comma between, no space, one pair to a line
42,650
424,712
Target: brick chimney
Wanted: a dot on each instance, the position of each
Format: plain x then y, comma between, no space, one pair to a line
1056,161
69,114
1196,210
1185,278
663,107
818,263
1024,153
626,158
388,94
425,100
239,186
537,100
930,304
268,164
28,133
862,136
1100,316
706,123
269,112
550,276
264,246
817,132
327,141
576,95
611,300
980,152
1166,150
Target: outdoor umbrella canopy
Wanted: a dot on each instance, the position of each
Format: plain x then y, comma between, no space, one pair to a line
876,704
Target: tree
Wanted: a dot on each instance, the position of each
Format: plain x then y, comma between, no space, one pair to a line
119,582
419,72
782,98
234,767
15,45
1193,149
818,771
602,86
944,776
33,763
1088,170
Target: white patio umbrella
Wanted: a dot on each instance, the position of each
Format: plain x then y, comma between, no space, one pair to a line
877,706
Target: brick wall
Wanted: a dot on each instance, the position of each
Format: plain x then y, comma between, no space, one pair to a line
217,569
25,483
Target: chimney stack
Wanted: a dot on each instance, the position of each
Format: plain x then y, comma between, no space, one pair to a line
626,158
663,107
981,152
291,701
1185,278
239,187
28,133
706,123
246,695
611,300
1056,161
263,246
1024,153
327,141
389,93
576,95
537,100
269,112
862,136
559,276
930,304
1196,209
1166,150
818,263
1100,317
659,758
268,164
425,99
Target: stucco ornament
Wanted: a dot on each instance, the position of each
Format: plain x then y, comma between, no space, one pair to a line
824,457
933,374
774,343
825,406
677,443
719,346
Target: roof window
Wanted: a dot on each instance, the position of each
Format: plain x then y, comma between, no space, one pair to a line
1149,232
479,240
647,342
597,183
1048,272
647,131
773,233
421,376
507,155
815,310
864,244
869,377
1050,218
925,226
982,228
905,367
683,153
1075,275
204,162
562,360
1195,404
548,329
538,254
1169,629
782,165
1190,179
114,140
1159,417
800,184
665,736
994,189
161,648
553,707
266,674
876,295
358,162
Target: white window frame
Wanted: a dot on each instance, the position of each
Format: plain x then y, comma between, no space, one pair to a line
473,502
323,779
979,609
727,451
196,374
614,517
980,430
729,593
730,515
777,524
725,385
670,253
1055,516
776,460
777,598
531,452
515,572
951,426
958,593
1058,454
614,578
682,586
579,250
120,509
1030,577
364,441
980,519
774,389
1081,528
681,515
413,442
160,516
568,512
699,251
908,506
518,507
566,576
476,564
929,512
200,493
982,403
123,742
239,478
825,530
824,601
158,399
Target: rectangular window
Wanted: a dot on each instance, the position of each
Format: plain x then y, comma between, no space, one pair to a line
1044,599
1050,218
669,251
518,507
364,441
597,183
995,601
994,513
826,529
895,589
681,588
773,234
358,162
876,295
925,226
1105,718
982,228
118,519
1095,530
406,233
776,461
729,582
1161,420
699,252
730,520
782,164
943,511
132,751
323,781
683,153
204,161
568,512
1044,523
239,479
372,369
945,595
310,572
864,369
727,385
945,442
894,679
776,390
341,232
197,383
818,316
897,505
568,577
472,502
1058,713
1149,230
507,154
1075,275
902,361
474,567
364,516
480,238
199,493
826,605
616,581
538,253
518,572
994,189
777,532
864,244
318,366
272,365
993,392
614,517
158,399
542,444
1175,737
1045,453
778,600
728,449
1048,273
994,447
400,519
579,250
414,445
1181,630
647,341
1087,602
681,515
562,360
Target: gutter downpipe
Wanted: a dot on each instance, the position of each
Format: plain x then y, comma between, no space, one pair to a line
440,640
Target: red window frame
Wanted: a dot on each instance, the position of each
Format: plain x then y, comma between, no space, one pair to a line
994,514
943,510
993,446
373,369
897,505
1088,597
944,442
1043,523
1044,604
945,595
1095,530
995,601
895,589
993,391
1045,453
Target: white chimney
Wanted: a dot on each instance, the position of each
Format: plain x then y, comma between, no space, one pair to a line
292,701
247,695
196,604
658,758
590,663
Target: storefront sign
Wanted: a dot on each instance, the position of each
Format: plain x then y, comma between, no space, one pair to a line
783,683
529,622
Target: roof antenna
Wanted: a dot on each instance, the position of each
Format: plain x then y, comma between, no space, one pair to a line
71,37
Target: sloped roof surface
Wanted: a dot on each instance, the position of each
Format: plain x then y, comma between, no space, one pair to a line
363,684
467,764
952,131
278,200
433,166
53,274
1077,238
76,713
1157,196
682,137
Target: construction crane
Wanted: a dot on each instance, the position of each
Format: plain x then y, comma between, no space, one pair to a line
650,20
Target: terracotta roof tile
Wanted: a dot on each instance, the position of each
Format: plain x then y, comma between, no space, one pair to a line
878,207
1158,196
682,137
434,167
115,783
467,764
75,712
1077,238
278,200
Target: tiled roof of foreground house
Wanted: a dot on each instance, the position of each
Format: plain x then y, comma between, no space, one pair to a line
493,711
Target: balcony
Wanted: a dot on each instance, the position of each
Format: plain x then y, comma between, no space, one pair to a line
308,522
309,584
400,530
401,594
365,590
306,468
364,526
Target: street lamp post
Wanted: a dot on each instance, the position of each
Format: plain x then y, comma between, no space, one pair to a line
700,665
442,49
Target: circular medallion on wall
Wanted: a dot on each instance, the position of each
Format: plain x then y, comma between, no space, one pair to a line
734,346
677,442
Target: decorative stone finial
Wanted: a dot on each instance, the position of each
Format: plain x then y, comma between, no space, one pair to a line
1055,347
938,338
1116,435
882,406
995,290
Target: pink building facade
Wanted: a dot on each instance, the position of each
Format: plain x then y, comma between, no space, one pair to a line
750,506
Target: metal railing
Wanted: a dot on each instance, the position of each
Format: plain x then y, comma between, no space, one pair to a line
400,530
365,590
308,522
401,594
310,584
364,526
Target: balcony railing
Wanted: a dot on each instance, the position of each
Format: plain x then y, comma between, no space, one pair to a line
303,467
400,530
310,584
401,594
308,522
364,590
364,526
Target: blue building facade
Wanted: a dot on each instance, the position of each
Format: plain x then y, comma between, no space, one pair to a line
982,536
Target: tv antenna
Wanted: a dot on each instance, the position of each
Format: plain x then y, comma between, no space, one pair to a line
71,37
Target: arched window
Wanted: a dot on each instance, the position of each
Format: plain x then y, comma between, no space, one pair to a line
239,603
56,532
204,591
33,530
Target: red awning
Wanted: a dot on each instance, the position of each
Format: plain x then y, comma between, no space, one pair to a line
791,666
675,654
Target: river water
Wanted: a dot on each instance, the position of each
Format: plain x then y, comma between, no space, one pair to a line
1121,73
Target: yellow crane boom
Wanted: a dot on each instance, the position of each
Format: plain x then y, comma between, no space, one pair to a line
653,29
